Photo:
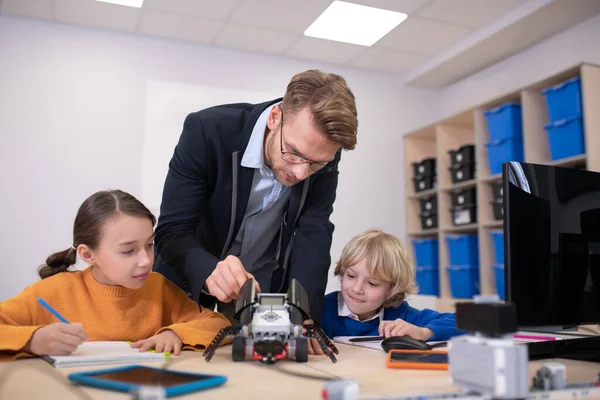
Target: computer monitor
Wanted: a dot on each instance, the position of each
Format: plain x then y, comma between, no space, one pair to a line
552,244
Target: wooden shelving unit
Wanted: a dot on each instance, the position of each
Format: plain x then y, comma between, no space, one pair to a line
491,178
424,193
570,161
462,185
462,229
424,233
470,127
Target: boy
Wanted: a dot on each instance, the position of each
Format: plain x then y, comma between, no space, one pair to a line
376,276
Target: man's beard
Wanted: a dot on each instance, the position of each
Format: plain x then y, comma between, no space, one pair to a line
278,173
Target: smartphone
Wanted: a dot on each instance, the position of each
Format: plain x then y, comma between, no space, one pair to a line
418,359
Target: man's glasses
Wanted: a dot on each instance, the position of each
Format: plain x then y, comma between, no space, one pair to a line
293,158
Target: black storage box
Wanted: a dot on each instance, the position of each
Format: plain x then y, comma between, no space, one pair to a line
464,215
498,210
463,155
428,204
462,172
464,197
498,191
488,319
424,183
424,168
429,220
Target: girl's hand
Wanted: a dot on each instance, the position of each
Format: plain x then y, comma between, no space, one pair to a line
167,342
57,339
399,327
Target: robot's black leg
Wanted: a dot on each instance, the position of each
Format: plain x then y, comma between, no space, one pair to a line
315,331
327,341
210,350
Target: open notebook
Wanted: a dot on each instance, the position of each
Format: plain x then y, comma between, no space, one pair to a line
98,353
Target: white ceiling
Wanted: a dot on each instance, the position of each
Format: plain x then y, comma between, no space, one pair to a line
277,26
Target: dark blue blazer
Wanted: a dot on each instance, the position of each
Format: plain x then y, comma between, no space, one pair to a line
204,201
443,325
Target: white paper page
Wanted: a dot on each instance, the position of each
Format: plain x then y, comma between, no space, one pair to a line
97,353
375,345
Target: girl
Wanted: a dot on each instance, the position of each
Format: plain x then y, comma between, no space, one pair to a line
376,276
116,298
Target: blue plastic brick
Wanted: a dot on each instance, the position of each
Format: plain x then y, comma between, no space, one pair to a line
504,150
566,137
499,274
463,250
428,280
426,252
505,121
464,281
564,100
498,240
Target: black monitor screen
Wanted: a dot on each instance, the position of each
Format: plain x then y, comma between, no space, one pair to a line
552,244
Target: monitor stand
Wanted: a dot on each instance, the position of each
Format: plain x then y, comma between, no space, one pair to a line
566,330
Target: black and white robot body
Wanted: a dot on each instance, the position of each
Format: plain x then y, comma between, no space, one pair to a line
272,327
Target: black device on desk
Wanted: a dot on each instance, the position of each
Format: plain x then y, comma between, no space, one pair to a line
398,343
403,343
552,252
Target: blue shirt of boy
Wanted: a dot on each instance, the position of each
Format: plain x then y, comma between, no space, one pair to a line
443,325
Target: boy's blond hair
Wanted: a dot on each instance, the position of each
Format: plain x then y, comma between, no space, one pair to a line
386,259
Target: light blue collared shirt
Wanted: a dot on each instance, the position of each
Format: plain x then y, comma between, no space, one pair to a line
256,243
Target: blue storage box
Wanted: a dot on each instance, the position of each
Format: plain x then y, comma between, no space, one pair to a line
499,273
463,250
504,150
428,280
426,252
464,281
566,137
504,121
498,240
564,99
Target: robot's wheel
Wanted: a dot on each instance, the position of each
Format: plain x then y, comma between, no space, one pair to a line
238,352
301,349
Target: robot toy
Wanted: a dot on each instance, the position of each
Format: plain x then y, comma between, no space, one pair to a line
272,327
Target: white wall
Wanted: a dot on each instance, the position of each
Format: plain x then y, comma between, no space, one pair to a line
73,107
560,52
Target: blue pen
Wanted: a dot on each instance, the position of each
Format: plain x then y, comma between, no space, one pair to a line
52,310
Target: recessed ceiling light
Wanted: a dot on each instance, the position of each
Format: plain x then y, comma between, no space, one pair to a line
128,3
354,23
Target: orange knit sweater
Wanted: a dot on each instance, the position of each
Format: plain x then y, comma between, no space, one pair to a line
106,312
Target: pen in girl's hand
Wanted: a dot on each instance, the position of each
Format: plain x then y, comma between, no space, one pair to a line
52,310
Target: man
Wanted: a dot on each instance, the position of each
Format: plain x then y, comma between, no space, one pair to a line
250,190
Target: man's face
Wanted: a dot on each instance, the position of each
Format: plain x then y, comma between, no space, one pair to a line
297,135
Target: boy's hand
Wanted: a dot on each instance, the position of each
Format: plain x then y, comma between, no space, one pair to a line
57,339
314,347
399,327
165,342
313,344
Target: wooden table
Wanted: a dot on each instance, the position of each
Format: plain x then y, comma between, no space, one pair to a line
35,379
